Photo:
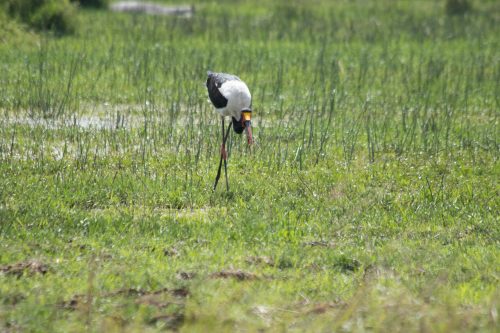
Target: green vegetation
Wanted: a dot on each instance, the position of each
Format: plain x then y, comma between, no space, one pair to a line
457,7
93,3
369,203
58,16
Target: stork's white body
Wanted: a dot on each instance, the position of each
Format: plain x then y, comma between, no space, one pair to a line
238,98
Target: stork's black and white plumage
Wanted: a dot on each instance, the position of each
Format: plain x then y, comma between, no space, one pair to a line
231,98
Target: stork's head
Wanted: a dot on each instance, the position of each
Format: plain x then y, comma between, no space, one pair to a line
246,120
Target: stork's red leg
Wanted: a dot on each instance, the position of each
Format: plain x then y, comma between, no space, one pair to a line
223,152
223,155
220,161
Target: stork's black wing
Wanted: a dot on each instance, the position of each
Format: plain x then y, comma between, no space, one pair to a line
214,82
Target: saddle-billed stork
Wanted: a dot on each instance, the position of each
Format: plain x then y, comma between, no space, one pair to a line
231,98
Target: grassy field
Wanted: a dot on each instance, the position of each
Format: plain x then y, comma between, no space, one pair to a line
370,201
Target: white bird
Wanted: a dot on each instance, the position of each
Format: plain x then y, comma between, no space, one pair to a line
231,98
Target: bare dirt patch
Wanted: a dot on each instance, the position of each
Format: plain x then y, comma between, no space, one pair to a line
169,304
320,308
307,307
260,260
74,302
186,275
319,244
234,274
171,252
13,299
142,297
179,292
171,321
153,300
29,267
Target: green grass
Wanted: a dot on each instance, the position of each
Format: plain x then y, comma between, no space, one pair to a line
369,203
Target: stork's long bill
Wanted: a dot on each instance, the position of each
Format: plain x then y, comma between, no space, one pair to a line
247,121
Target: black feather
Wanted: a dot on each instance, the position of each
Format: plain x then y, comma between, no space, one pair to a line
238,126
214,82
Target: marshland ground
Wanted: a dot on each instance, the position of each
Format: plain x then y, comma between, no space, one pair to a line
369,202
